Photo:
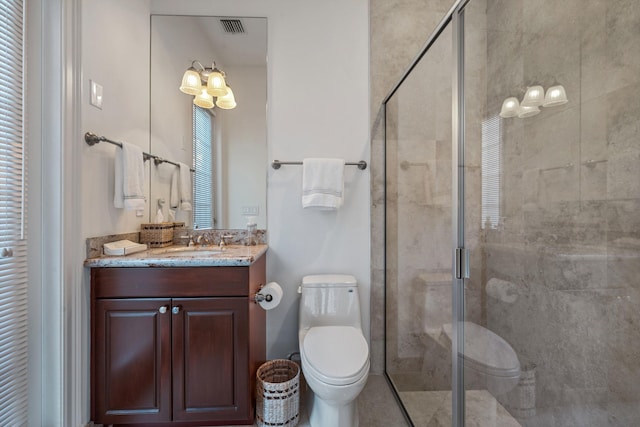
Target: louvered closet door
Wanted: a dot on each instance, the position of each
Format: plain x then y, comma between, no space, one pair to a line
13,251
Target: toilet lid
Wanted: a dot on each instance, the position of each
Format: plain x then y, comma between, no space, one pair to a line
486,352
337,354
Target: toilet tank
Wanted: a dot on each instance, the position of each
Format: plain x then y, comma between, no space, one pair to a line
329,300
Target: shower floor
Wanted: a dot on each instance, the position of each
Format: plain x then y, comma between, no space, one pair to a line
433,409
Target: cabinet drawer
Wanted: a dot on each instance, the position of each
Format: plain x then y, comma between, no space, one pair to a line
169,282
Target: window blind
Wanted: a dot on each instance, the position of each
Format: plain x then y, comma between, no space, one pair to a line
13,250
491,171
203,188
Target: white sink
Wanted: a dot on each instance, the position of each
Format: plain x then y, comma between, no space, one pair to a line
186,251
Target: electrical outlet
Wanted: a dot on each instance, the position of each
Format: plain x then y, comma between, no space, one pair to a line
250,210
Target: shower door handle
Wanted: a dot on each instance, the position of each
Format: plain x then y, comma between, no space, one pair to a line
462,263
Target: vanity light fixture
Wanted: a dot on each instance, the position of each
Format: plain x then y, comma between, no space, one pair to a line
204,83
534,98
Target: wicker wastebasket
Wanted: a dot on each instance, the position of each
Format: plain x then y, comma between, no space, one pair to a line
278,394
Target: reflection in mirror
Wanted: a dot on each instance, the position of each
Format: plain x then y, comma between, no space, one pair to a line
227,148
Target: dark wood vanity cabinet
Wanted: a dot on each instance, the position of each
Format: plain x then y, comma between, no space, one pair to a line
176,346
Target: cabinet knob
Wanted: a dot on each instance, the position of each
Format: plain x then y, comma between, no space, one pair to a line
176,309
163,309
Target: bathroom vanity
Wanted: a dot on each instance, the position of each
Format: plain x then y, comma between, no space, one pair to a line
176,339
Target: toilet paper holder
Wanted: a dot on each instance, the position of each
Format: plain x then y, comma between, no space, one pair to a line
258,297
268,296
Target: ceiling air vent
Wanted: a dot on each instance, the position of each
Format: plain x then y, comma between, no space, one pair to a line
232,26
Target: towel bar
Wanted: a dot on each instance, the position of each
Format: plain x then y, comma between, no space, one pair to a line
92,139
362,165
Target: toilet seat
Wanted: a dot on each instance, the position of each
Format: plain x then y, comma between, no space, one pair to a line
486,352
337,355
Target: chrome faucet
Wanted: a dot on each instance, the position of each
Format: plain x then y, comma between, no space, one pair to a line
190,237
206,237
223,242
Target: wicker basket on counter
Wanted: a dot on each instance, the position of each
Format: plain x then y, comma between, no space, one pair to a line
157,235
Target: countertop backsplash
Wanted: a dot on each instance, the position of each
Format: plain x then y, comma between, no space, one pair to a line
237,237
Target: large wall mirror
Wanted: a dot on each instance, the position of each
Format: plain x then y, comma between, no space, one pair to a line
233,172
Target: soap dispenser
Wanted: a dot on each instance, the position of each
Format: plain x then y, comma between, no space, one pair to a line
252,226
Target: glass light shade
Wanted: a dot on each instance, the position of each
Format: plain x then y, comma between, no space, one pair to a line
203,100
191,82
510,108
216,85
533,97
528,111
556,95
228,101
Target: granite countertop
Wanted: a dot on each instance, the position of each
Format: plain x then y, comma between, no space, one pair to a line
182,256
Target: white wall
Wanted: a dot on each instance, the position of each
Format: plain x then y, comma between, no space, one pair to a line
317,106
243,137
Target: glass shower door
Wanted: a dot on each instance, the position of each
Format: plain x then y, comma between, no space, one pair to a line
418,272
551,201
489,389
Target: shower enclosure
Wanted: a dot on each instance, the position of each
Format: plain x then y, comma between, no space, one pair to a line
512,230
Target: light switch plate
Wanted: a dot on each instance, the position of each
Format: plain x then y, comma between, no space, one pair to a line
96,94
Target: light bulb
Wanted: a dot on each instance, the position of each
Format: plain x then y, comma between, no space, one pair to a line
556,95
228,101
216,85
203,100
510,108
534,97
191,82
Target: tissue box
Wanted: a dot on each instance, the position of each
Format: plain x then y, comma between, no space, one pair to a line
157,235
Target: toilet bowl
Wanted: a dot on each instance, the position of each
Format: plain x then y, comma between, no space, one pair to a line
489,360
333,350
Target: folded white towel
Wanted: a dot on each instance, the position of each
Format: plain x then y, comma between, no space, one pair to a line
322,183
184,187
174,196
129,178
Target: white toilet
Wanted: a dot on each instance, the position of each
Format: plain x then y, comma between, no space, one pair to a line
489,360
334,352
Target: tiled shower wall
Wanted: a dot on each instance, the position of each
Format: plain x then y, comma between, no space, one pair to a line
569,234
568,237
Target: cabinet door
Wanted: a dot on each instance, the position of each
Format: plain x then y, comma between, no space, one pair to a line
211,360
132,371
132,360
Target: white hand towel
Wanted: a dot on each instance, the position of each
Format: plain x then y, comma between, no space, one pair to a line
174,196
129,178
185,187
322,183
